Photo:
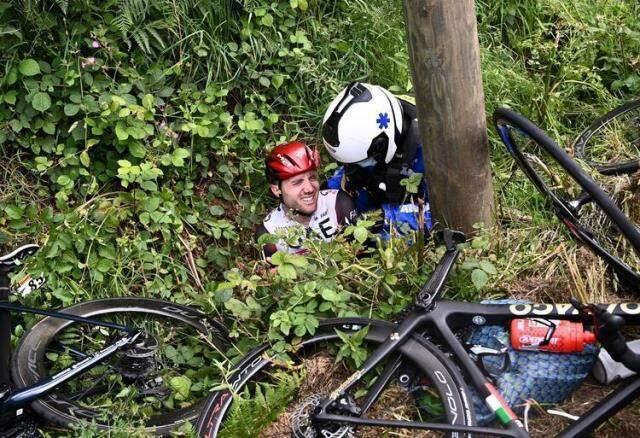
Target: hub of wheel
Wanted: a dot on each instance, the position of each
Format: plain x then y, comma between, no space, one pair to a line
138,361
302,425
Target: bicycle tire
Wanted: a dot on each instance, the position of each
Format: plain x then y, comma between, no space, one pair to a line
596,236
425,356
611,144
30,363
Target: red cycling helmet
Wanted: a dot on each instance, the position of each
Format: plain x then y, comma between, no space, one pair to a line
290,159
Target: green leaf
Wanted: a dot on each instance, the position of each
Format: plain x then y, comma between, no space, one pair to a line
479,278
29,67
151,204
10,97
148,100
178,156
71,109
360,234
145,218
49,127
15,124
121,131
264,81
41,101
63,180
390,279
330,295
267,20
278,258
277,81
303,5
149,185
254,125
238,308
52,356
12,76
469,264
488,267
124,392
300,330
287,271
137,149
182,386
104,265
84,159
107,252
297,260
216,210
14,212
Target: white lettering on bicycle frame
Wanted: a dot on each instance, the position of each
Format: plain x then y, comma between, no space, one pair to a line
563,309
628,309
520,309
542,309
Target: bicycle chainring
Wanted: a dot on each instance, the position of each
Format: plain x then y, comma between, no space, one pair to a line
303,427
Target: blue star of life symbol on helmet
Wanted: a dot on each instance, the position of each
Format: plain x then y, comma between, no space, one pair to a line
383,120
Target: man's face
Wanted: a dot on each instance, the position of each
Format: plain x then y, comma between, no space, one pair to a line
300,193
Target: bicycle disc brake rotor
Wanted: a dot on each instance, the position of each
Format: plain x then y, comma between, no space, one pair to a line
302,426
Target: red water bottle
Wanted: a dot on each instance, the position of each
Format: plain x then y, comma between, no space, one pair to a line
549,335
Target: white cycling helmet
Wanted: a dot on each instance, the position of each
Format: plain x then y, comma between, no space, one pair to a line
363,121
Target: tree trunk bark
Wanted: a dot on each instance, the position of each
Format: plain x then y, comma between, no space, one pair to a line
445,66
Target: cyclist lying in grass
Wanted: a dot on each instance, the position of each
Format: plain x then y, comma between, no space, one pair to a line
293,178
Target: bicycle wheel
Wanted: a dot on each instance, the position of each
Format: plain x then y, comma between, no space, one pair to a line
156,388
611,144
268,400
588,212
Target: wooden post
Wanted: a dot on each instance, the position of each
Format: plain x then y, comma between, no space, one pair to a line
445,66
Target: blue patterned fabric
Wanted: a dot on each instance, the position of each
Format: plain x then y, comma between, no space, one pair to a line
544,377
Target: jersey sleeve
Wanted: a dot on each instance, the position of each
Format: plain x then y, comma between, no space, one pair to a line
268,249
346,211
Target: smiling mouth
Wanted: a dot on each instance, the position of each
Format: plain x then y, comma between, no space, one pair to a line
308,199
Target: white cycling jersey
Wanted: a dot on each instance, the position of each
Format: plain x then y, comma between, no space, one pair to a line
324,222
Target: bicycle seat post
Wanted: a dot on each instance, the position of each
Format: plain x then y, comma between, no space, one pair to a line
5,329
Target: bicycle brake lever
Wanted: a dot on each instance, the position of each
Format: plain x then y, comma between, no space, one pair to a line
577,304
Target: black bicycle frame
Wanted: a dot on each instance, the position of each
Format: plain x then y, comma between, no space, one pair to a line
442,318
21,398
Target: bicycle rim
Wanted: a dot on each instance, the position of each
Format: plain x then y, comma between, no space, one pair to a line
587,210
611,144
270,399
156,388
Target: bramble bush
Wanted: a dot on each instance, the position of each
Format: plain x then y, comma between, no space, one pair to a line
133,132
